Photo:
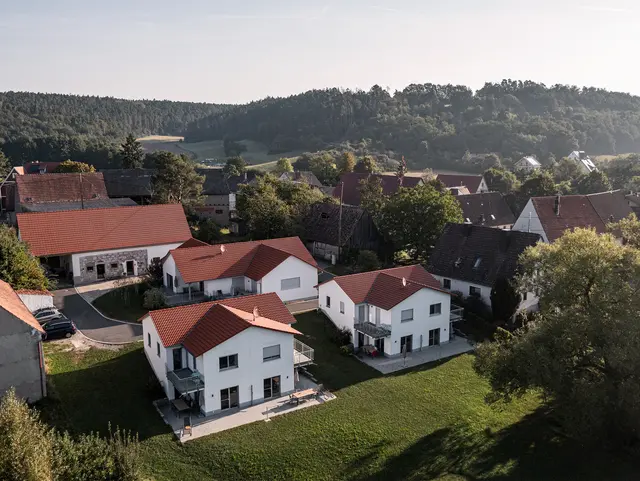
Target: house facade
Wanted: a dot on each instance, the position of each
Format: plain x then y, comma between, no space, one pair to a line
21,358
283,266
527,164
394,310
225,355
99,244
583,161
219,191
475,184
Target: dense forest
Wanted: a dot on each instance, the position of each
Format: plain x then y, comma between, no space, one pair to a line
435,125
52,127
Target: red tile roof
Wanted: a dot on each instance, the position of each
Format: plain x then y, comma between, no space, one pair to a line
253,259
73,231
201,327
10,302
351,189
471,182
193,243
60,187
384,288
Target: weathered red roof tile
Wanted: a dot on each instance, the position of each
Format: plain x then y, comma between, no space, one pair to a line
10,302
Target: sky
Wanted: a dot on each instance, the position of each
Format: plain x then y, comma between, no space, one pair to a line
243,50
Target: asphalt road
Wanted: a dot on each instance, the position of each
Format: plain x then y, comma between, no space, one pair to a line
91,323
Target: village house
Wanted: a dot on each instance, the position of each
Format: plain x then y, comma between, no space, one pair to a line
394,311
348,189
527,164
488,209
219,190
225,355
470,259
283,266
551,216
135,184
21,358
98,244
475,184
325,222
302,177
583,161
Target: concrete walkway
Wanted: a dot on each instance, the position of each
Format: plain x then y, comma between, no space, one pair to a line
91,323
92,291
298,307
388,365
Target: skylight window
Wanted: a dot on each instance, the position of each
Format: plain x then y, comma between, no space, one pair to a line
477,263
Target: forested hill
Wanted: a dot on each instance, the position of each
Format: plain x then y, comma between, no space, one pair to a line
434,125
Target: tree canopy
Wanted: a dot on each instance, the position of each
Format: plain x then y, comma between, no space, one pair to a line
235,166
69,166
176,180
131,153
17,266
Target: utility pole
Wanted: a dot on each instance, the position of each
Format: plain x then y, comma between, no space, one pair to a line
340,220
81,193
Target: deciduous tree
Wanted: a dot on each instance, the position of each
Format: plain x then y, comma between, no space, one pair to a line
501,180
5,165
592,183
17,266
132,153
176,181
283,165
69,166
372,197
235,166
346,162
367,165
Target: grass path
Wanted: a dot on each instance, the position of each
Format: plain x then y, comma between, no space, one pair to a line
422,424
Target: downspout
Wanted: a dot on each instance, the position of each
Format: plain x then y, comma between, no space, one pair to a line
43,379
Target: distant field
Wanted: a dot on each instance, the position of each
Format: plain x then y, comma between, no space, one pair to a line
256,153
607,158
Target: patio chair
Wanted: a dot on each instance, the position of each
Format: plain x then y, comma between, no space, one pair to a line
186,428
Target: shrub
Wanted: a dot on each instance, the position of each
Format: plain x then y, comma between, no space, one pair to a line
154,298
346,350
367,261
341,336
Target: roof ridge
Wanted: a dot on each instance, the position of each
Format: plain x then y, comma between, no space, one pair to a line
197,323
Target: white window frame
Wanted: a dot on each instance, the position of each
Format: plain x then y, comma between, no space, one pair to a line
402,315
229,366
341,307
283,281
271,357
432,309
328,302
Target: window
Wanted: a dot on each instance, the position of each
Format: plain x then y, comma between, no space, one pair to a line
341,307
474,291
435,309
446,283
292,283
434,337
406,344
272,387
270,353
406,315
229,397
114,265
218,211
328,301
228,362
158,349
524,297
89,268
149,339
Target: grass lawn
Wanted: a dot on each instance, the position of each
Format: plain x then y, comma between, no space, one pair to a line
123,303
429,423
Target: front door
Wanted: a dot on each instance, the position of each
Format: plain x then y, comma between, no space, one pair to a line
360,339
100,270
380,345
177,359
129,268
434,337
406,344
229,398
169,281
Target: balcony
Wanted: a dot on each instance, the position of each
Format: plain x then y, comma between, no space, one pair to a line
186,380
456,313
375,331
302,354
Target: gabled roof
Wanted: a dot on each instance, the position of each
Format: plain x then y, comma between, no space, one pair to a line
217,182
351,189
384,288
193,243
39,167
471,182
322,221
253,259
78,205
201,327
74,231
478,254
489,209
532,161
34,189
302,177
128,182
10,302
594,210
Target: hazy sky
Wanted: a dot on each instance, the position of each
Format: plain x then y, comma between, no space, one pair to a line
242,50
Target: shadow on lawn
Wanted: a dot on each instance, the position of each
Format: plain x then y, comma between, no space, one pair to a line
528,450
118,391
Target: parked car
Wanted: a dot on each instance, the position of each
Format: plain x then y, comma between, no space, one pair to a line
47,314
59,328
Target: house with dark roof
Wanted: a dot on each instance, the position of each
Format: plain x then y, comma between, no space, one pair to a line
488,209
302,177
136,184
348,189
216,357
283,266
390,311
21,357
219,190
470,259
551,216
324,223
475,184
97,244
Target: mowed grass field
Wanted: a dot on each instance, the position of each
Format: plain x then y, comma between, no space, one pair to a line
425,424
256,153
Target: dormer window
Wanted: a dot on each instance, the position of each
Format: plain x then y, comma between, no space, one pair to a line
477,263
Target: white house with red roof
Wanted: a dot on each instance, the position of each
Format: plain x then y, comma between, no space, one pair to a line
391,311
21,358
227,354
97,244
283,266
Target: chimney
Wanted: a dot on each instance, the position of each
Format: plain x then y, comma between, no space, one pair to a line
404,282
222,249
256,313
556,207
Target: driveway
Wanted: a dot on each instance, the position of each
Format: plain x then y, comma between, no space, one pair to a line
298,307
91,323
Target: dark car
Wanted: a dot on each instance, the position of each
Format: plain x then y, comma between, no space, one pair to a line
59,328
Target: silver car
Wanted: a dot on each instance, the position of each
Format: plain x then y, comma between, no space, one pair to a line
47,314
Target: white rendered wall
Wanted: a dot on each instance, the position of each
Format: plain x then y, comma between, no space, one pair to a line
292,267
211,287
335,292
158,364
36,301
524,223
